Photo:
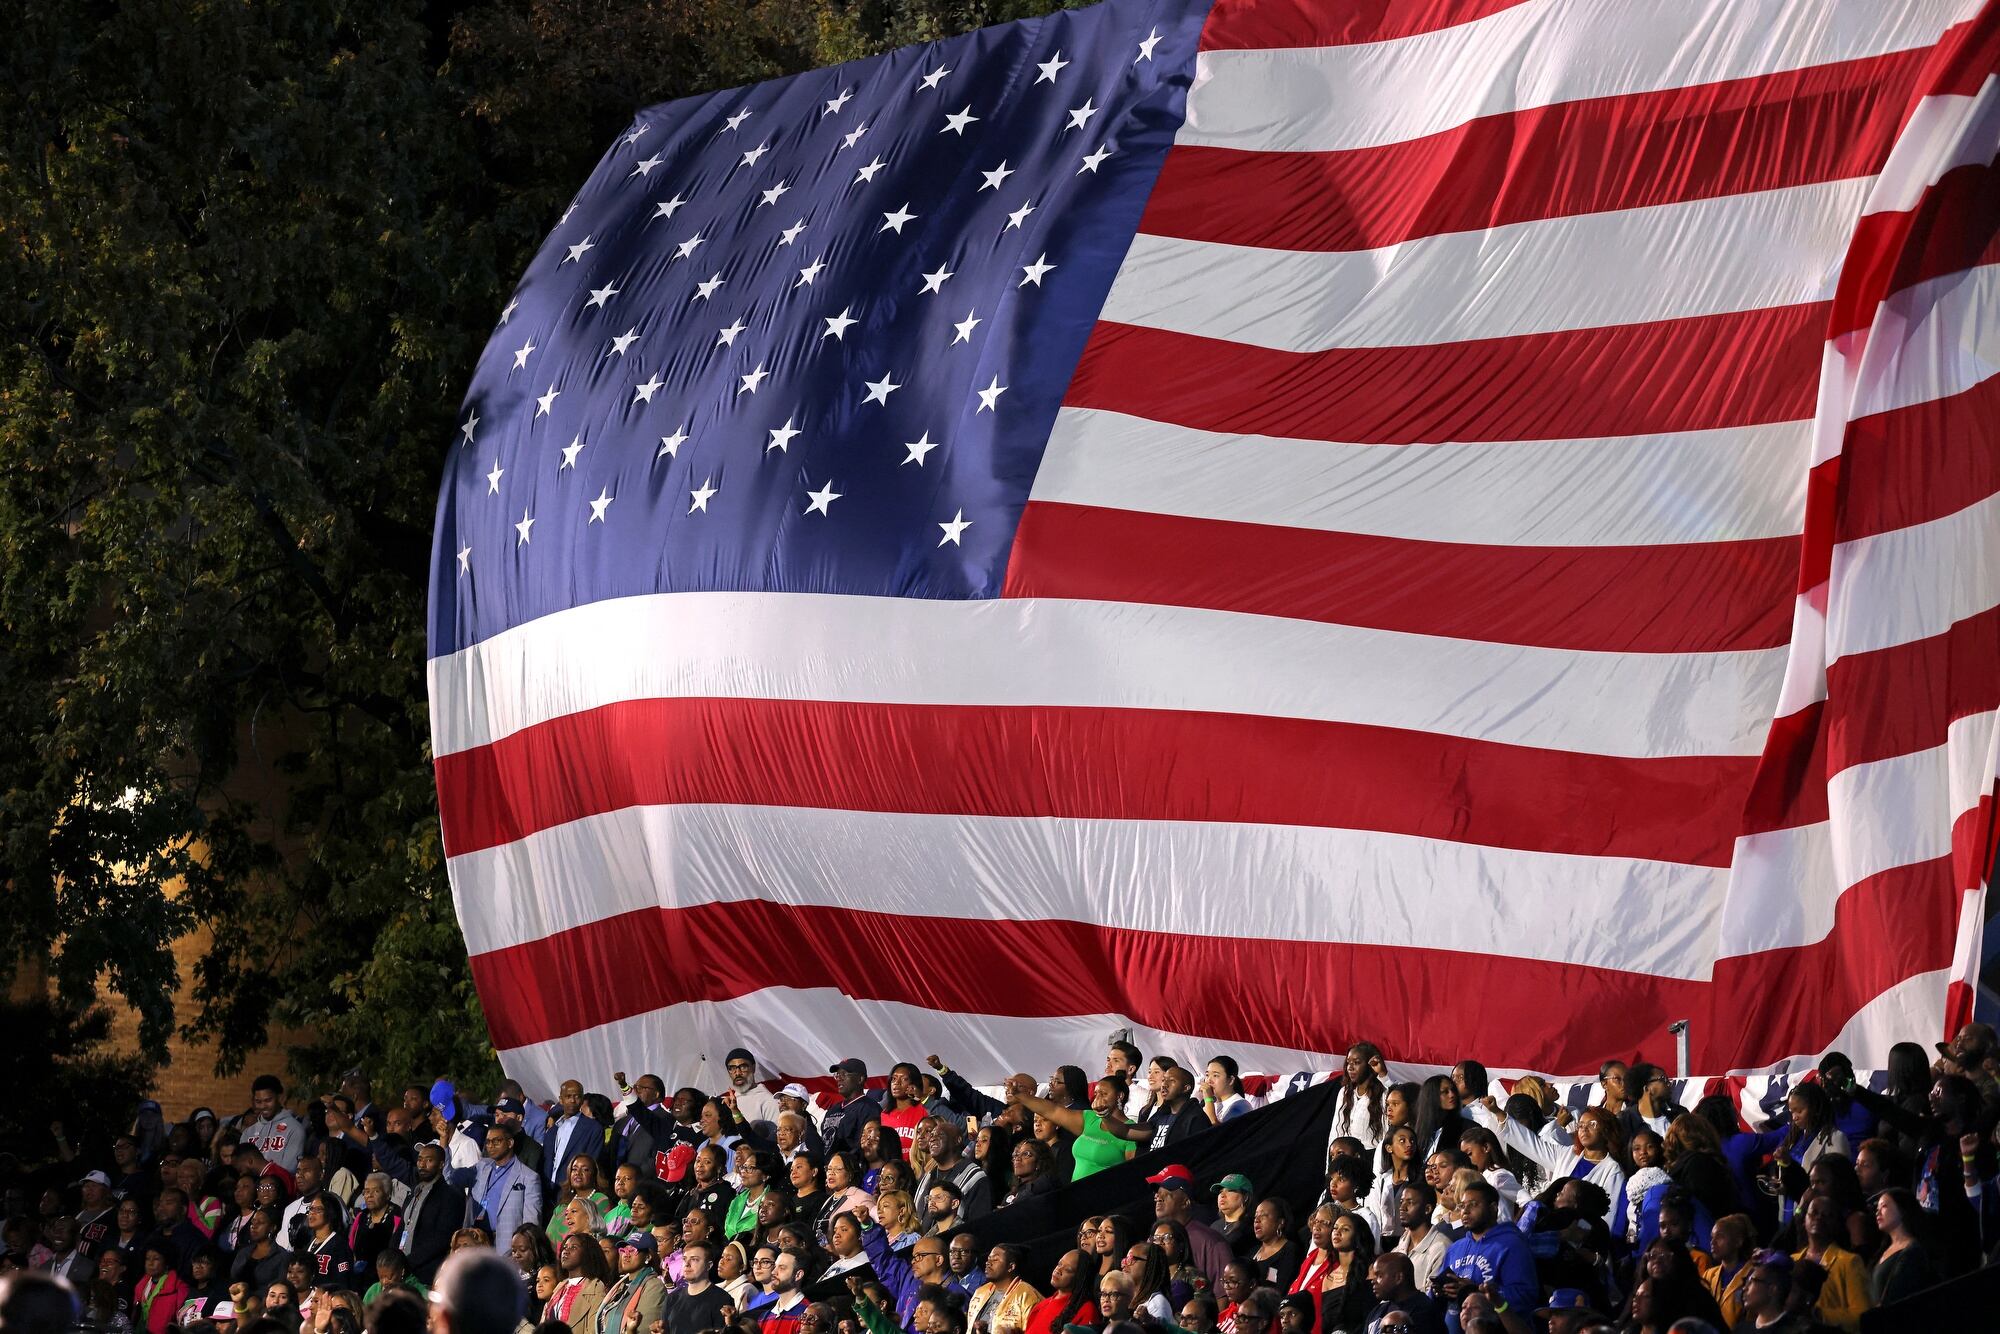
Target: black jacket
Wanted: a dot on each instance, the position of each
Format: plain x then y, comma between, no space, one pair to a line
442,1213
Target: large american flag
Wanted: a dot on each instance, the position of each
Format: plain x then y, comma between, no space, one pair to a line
1473,524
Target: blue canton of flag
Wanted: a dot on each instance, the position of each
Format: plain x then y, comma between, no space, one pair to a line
810,335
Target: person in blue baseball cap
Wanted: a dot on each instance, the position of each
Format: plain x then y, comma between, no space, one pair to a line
1568,1311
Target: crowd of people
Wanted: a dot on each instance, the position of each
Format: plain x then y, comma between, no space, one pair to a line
1448,1204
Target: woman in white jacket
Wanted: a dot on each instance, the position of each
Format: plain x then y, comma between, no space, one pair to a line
1593,1155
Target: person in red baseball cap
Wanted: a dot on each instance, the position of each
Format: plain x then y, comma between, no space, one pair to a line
1173,1201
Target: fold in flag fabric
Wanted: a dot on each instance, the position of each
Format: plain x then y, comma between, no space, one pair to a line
1473,524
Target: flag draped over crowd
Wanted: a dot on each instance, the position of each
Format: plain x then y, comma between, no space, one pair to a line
1468,523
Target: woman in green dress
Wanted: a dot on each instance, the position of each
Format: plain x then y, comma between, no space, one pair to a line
1104,1138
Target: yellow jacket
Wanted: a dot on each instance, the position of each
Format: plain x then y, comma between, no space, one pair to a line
1015,1301
1845,1295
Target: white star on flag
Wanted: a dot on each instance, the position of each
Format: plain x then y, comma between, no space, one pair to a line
995,176
855,136
955,529
1146,47
547,401
837,325
666,208
894,222
775,193
822,499
601,504
930,81
576,251
835,104
809,272
919,447
1050,68
703,291
935,280
1093,160
957,121
879,390
523,528
570,451
867,173
493,478
750,158
643,392
727,334
701,495
670,445
1019,216
1080,116
470,422
966,326
1032,273
689,246
624,340
521,354
989,396
465,559
600,295
781,437
646,168
753,379
735,121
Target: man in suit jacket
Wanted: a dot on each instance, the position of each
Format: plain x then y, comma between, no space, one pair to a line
434,1211
568,1133
503,1192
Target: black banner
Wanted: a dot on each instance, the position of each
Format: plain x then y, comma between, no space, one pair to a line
1281,1147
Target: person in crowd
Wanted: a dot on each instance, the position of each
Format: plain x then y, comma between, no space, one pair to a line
207,1286
784,1314
1176,1113
1237,1283
1072,1298
1345,1295
1395,1165
584,1279
1006,1299
942,1141
733,1274
503,1191
260,1260
1732,1243
962,1256
328,1258
159,1291
1906,1266
270,1126
1419,1238
1438,1120
1198,1314
1767,1296
1489,1251
1274,1256
1033,1169
392,1271
1481,1148
698,1303
1173,1202
756,1174
376,1224
942,1205
637,1294
1319,1250
1235,1206
477,1292
1102,1136
1152,1283
430,1214
1394,1284
1359,1111
579,1182
1222,1096
1844,1295
571,1131
1114,1300
841,1126
1594,1154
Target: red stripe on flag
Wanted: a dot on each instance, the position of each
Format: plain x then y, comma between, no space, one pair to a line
1795,128
1285,993
1026,762
1913,464
1261,24
1955,226
1737,369
1897,700
1672,598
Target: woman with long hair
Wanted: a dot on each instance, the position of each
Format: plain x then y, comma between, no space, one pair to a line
1147,1268
1222,1095
1345,1295
327,1257
529,1248
1319,1255
1695,1163
1907,1265
1360,1111
1034,1170
897,1217
1072,1298
1806,1134
1171,1240
1482,1147
585,1279
843,1176
1114,1242
1438,1121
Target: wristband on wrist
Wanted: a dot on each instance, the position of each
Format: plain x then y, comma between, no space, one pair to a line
1500,1308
